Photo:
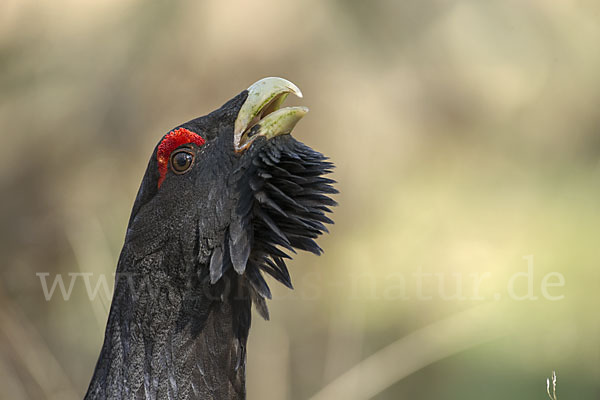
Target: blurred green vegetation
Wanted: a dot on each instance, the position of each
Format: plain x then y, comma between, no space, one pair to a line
466,138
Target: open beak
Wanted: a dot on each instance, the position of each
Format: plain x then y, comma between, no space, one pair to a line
262,115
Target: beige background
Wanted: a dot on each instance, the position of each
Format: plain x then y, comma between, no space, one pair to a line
466,138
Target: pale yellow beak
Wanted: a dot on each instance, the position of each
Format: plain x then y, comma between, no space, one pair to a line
262,115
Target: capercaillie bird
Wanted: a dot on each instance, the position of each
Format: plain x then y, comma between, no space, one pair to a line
226,198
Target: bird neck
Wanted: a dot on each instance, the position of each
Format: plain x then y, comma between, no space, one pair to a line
173,341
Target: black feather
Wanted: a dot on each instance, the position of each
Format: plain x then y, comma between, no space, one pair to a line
239,243
197,247
216,265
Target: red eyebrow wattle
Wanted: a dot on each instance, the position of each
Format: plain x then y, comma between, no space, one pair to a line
173,140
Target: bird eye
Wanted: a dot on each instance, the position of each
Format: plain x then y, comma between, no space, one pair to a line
182,161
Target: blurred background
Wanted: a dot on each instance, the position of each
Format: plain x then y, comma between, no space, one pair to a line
464,259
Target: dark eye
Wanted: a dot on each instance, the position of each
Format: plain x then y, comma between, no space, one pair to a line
181,161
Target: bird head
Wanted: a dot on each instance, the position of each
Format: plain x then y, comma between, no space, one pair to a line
233,194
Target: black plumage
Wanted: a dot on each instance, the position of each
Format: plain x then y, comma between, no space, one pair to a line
196,252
